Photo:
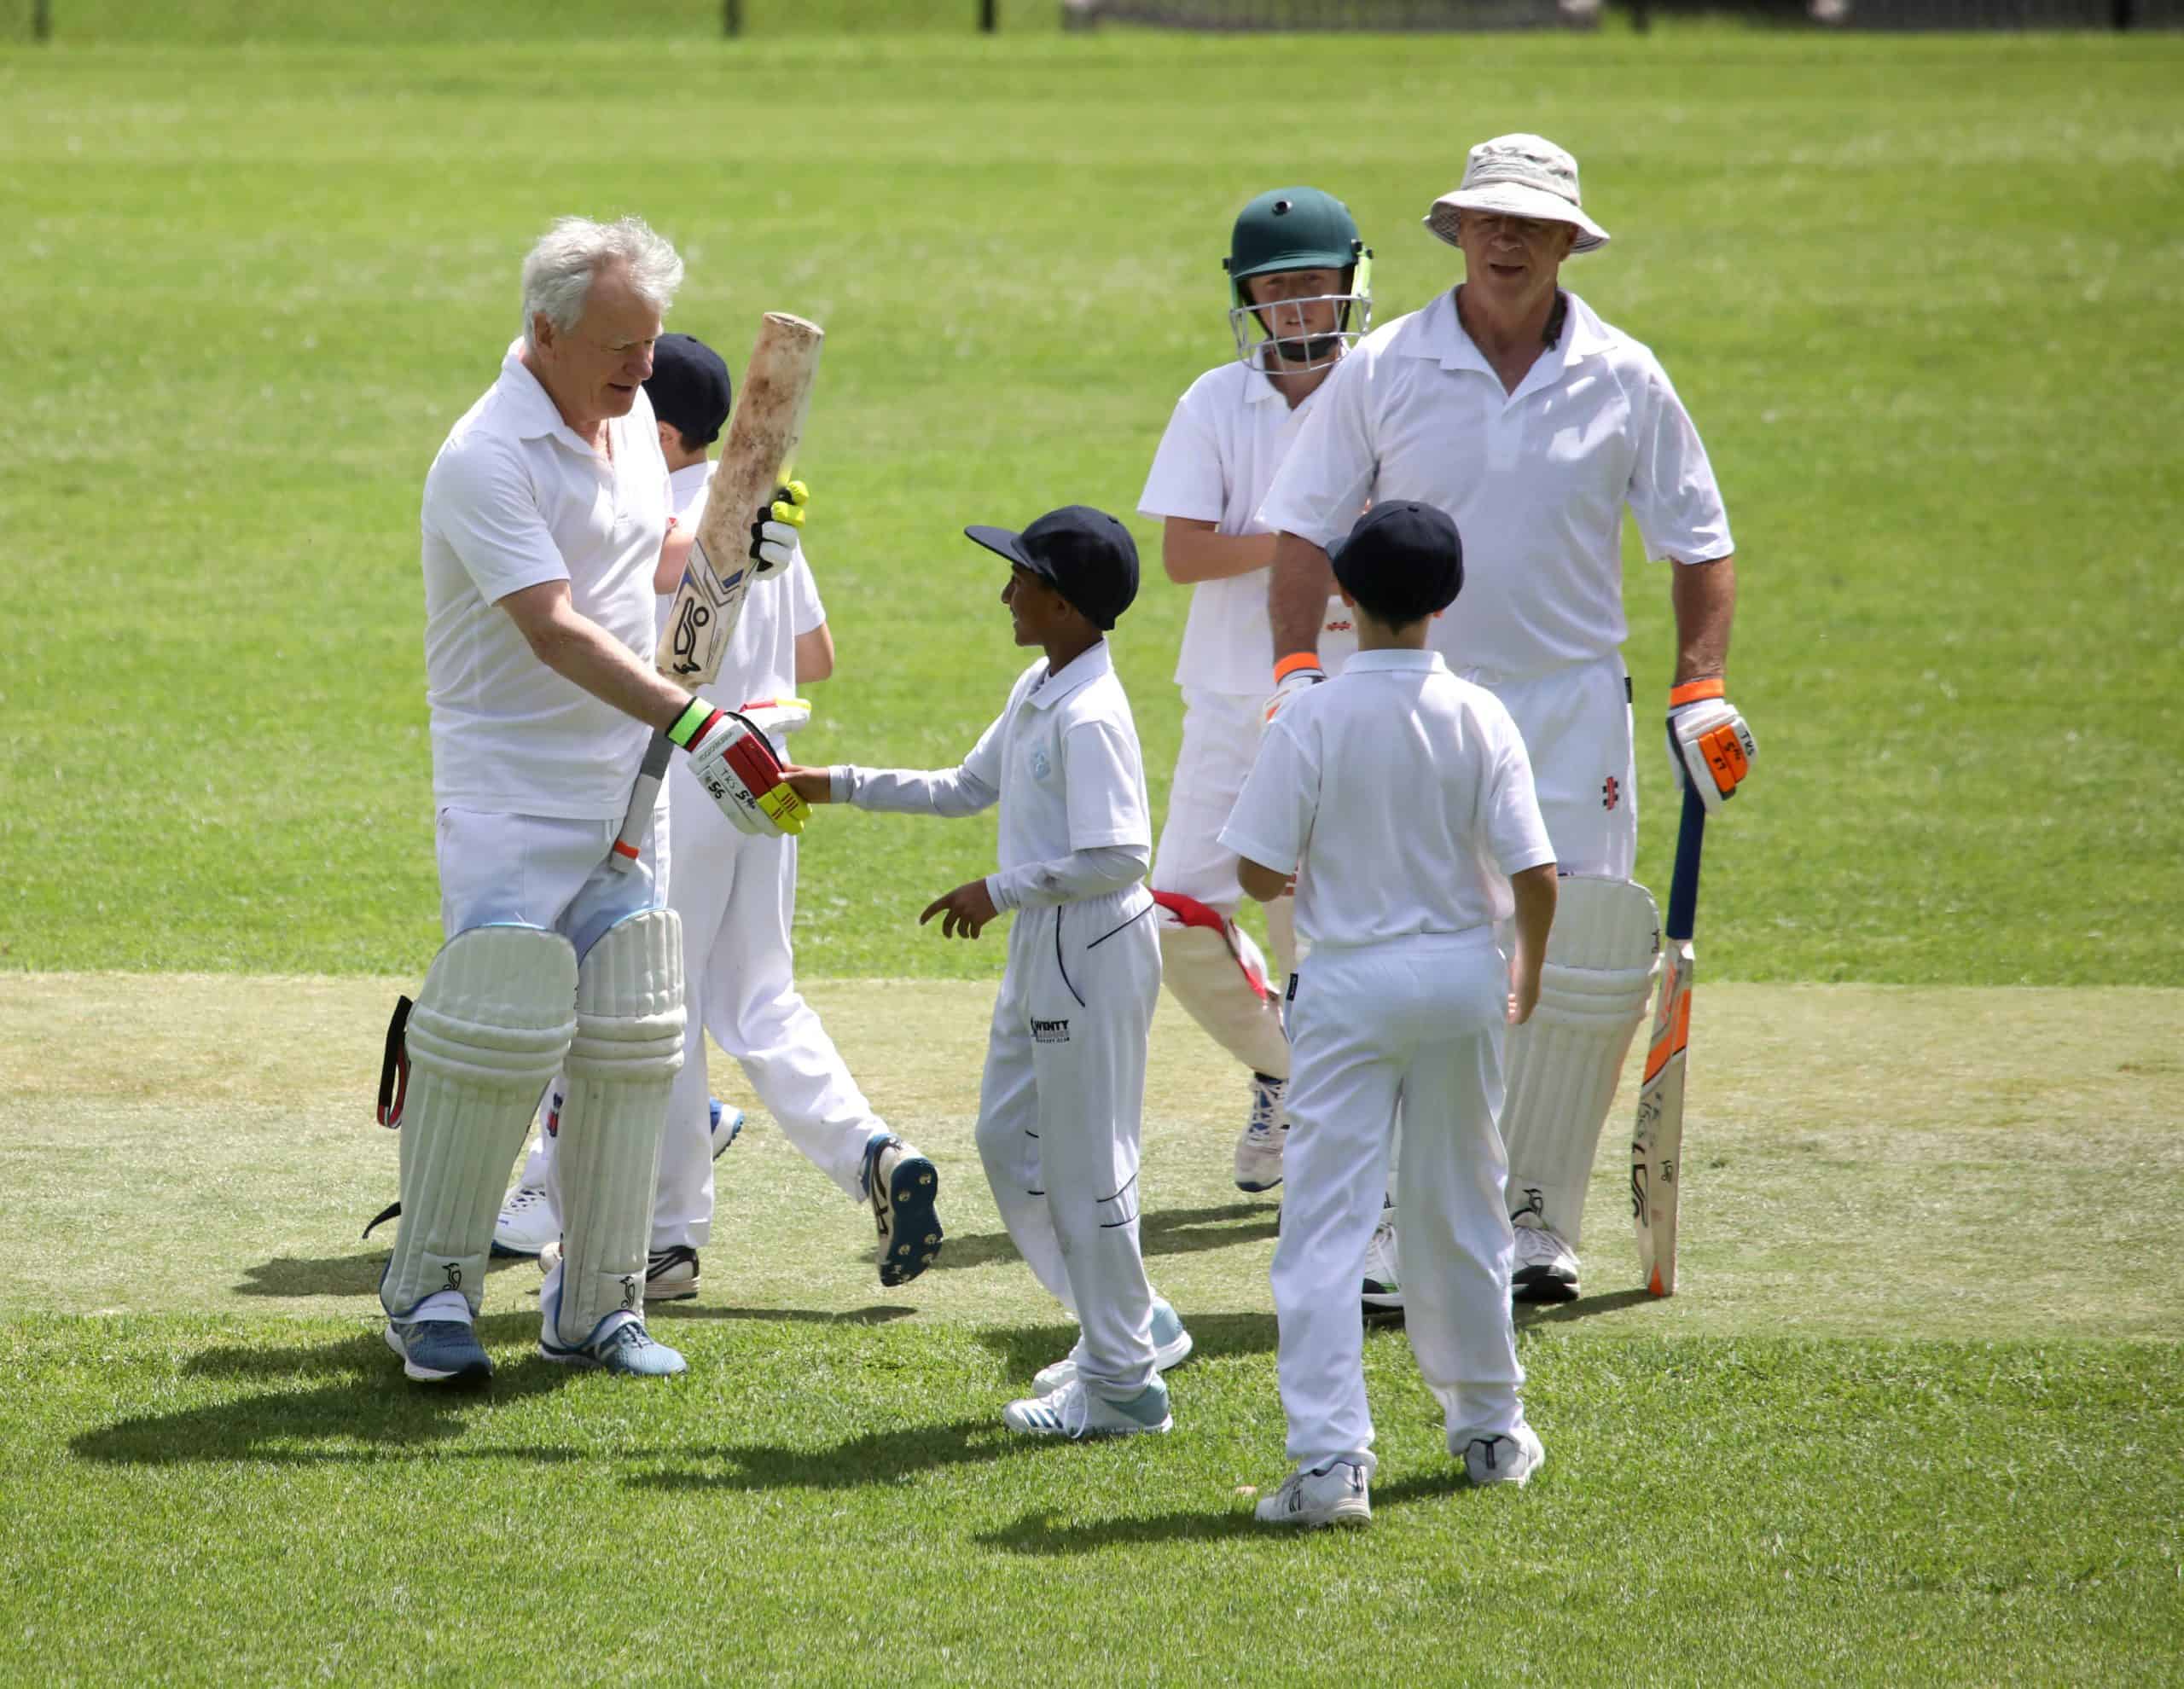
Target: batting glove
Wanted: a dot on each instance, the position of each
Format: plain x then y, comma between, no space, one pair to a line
737,765
777,530
1292,675
777,716
1709,747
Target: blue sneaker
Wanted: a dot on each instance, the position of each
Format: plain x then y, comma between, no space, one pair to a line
1076,1412
439,1351
727,1123
902,1186
1171,1346
627,1350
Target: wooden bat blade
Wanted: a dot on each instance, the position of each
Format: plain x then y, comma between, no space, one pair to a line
1657,1140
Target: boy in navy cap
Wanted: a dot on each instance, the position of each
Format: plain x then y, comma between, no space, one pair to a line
1064,1088
1401,800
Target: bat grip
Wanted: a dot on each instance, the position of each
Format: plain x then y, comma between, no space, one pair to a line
630,843
1683,886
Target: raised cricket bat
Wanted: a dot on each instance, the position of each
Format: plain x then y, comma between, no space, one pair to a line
762,436
1657,1142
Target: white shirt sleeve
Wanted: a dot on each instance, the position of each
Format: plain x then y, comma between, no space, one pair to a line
806,614
1104,787
1081,873
971,785
1272,820
479,499
1323,482
1516,834
1188,478
1672,492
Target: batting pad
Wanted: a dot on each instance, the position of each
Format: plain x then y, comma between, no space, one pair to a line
627,1050
487,1031
1603,955
1219,976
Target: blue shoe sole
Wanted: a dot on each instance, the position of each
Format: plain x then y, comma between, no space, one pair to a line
913,1193
501,1251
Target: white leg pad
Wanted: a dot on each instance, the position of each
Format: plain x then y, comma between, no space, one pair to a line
627,1050
490,1026
1562,1065
1219,976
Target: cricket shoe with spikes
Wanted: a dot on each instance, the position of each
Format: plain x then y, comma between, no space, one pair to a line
1259,1151
1077,1412
527,1224
902,1188
1339,1493
1171,1345
1511,1458
1382,1290
671,1274
1546,1267
439,1351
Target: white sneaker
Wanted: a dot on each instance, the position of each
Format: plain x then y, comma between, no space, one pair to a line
1509,1459
1259,1151
1337,1494
1077,1412
1546,1267
724,1125
671,1274
1383,1288
1171,1344
527,1222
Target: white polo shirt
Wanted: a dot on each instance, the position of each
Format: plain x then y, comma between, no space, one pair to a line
1403,796
761,659
1535,480
1230,433
1064,756
513,499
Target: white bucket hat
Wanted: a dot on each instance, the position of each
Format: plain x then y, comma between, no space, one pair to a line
1519,175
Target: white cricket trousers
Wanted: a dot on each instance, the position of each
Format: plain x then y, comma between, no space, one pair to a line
737,896
1416,1022
1060,1111
1575,726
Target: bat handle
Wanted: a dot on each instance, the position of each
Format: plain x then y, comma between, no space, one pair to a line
1683,885
630,843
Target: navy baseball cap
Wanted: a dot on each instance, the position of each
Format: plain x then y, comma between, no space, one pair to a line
1404,561
1085,554
689,387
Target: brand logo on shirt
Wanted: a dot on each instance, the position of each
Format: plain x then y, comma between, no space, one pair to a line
1042,764
1049,1031
1611,792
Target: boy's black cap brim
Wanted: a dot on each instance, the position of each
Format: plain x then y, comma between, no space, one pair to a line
1010,544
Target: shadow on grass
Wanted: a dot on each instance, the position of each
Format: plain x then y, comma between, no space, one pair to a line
878,1457
333,1275
1037,1533
1562,1313
1023,1350
367,1412
657,1312
1172,1230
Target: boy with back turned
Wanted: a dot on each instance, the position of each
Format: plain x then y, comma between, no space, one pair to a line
1402,800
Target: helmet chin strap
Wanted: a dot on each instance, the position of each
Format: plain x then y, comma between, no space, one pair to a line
1305,353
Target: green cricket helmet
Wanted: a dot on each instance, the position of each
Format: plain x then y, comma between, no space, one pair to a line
1297,228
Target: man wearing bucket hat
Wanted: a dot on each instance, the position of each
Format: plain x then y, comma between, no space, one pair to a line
1299,294
1509,404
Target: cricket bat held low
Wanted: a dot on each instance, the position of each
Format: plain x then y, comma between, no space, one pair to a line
1657,1141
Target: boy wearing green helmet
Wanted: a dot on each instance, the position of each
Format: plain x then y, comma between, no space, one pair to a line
1299,282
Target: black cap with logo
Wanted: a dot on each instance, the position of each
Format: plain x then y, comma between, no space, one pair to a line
1404,561
689,387
1085,554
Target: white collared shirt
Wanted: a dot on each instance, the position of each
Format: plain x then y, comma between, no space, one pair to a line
1402,795
1062,759
1230,433
760,662
515,498
1535,480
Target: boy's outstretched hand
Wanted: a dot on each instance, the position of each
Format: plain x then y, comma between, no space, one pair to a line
963,911
814,786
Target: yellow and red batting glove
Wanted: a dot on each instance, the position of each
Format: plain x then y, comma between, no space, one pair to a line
737,765
1709,743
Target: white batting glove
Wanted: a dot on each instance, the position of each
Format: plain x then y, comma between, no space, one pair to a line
777,716
1709,747
1302,670
777,529
737,766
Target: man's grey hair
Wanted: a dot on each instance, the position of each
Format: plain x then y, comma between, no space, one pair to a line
559,271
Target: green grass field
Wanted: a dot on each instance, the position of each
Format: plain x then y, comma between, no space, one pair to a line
1914,1417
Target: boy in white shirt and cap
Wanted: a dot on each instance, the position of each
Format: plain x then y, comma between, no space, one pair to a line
1401,800
1060,1102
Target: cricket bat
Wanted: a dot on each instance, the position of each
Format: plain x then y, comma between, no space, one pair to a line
762,436
1657,1142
